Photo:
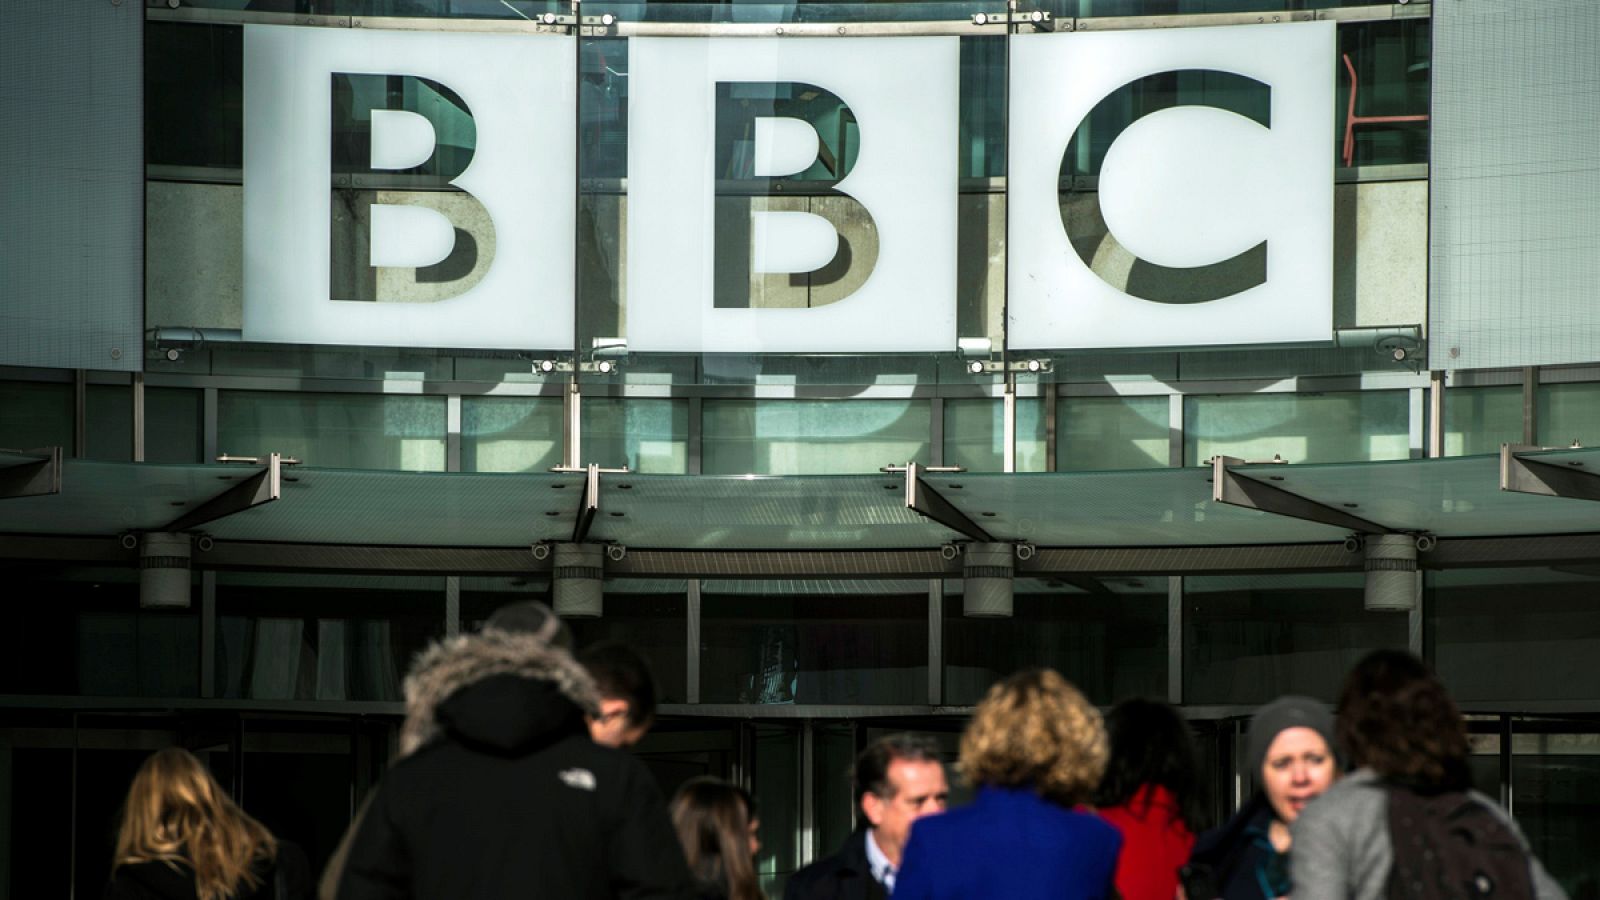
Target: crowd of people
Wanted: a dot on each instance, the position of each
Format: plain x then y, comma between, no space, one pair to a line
514,781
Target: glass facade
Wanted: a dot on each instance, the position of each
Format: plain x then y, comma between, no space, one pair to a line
284,672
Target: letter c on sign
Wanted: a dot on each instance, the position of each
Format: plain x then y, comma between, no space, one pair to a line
1226,91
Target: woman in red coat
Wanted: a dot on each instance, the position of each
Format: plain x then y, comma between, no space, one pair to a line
1150,792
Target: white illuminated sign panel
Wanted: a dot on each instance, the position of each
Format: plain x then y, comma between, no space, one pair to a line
1213,219
416,189
504,185
689,265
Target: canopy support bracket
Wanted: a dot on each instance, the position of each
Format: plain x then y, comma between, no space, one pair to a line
1244,491
1535,476
36,478
262,487
922,498
589,500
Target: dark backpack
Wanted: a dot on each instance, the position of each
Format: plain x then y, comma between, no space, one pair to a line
1450,846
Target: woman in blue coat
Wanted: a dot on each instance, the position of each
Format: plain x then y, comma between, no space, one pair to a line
1035,750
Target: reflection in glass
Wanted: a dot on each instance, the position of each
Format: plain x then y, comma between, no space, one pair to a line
1567,413
974,435
1479,420
811,437
1107,635
35,414
1515,634
1301,428
1556,782
786,642
322,637
81,631
652,618
1250,638
343,431
644,435
108,409
173,427
510,434
1099,433
775,786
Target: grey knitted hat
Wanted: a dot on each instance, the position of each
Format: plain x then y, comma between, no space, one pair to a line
1282,714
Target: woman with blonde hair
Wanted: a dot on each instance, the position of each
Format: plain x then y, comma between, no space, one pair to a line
1035,750
182,837
716,823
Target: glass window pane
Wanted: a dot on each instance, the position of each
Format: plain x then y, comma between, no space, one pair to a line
1392,69
1106,635
644,435
783,642
34,414
1302,428
974,435
1556,780
1250,638
1479,420
322,637
775,784
349,431
652,617
510,434
811,437
1567,413
1097,433
108,411
174,425
92,638
1540,647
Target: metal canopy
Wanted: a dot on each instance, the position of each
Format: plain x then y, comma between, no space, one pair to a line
1164,508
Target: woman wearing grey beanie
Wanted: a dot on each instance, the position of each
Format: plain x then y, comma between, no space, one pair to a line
1290,749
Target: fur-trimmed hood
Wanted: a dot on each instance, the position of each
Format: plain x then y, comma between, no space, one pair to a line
517,678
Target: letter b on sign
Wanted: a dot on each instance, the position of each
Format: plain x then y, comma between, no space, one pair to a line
382,171
856,252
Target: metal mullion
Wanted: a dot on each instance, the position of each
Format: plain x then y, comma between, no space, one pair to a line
138,417
935,642
1416,619
1175,427
694,449
1050,425
1436,387
80,414
692,635
808,792
452,433
208,633
208,424
1008,419
1418,420
936,431
1530,406
452,605
1175,640
1508,794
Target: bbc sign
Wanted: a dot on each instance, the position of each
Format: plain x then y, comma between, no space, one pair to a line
1211,224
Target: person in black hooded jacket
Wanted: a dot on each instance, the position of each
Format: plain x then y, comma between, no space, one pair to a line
500,792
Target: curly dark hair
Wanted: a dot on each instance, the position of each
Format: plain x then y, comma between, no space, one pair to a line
1396,718
1151,745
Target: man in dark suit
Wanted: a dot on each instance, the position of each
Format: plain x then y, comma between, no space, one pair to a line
898,779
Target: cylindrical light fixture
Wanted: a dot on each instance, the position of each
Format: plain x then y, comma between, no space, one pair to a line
578,578
164,571
1393,582
986,572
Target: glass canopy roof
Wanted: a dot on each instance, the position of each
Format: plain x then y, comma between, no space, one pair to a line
1459,497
